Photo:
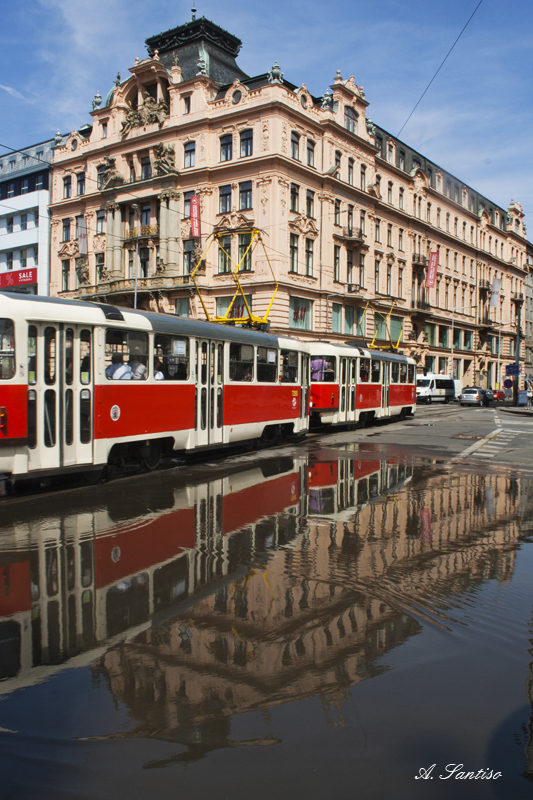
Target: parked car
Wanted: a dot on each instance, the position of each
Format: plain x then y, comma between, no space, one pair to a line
474,395
498,394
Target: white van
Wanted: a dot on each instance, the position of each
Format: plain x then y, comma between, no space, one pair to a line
435,388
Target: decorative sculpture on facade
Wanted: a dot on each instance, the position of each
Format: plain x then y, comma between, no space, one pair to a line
275,75
370,127
97,101
201,66
327,101
165,160
147,113
111,176
82,271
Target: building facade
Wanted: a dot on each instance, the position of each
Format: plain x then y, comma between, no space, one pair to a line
24,219
348,214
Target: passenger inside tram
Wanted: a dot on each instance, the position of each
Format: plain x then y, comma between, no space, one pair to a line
117,370
322,369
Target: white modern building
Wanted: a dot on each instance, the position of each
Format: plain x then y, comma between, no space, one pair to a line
24,218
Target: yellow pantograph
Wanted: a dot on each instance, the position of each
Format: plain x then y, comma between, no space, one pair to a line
238,269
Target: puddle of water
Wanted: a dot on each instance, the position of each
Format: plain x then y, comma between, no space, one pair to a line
317,622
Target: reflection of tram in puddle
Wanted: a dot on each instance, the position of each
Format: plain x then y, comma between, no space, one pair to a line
337,488
72,581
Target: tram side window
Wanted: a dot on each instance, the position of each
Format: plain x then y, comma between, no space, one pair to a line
171,358
267,365
323,368
376,371
7,349
411,373
289,366
32,355
126,355
403,373
69,357
241,362
395,372
49,356
364,369
85,357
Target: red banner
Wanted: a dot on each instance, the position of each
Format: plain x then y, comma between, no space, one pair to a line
432,270
18,277
195,217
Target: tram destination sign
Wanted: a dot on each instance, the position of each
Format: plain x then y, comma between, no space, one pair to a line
17,277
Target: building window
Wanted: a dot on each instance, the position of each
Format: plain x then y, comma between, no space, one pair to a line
336,263
23,222
389,235
300,313
23,260
39,183
337,212
224,253
389,279
245,252
132,172
389,192
224,199
100,265
100,170
310,203
104,130
10,189
247,143
390,152
295,193
144,259
401,198
338,157
188,248
79,220
190,149
400,282
350,220
67,187
428,213
309,257
349,266
9,225
350,119
336,317
9,260
376,275
310,153
293,261
81,182
187,204
363,177
65,275
362,222
295,146
146,168
400,239
378,230
24,186
145,214
350,171
100,221
66,230
226,148
181,307
361,269
401,160
245,195
187,105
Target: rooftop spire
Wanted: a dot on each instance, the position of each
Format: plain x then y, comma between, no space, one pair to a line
193,9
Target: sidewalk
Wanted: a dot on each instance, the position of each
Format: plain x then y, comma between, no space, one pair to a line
523,411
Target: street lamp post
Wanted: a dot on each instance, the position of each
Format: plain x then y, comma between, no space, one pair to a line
135,208
500,323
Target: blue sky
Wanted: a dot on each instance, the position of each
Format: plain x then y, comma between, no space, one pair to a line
476,120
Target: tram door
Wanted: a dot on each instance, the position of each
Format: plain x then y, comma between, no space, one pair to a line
209,392
385,388
304,397
344,389
60,395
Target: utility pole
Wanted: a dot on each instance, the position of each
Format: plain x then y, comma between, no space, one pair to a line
516,378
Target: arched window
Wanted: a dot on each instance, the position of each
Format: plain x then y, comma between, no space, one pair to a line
350,119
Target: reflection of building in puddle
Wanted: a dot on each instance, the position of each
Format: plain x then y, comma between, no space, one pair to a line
319,613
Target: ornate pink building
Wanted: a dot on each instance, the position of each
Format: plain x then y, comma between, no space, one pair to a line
348,213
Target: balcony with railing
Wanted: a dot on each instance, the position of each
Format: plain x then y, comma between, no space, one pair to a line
484,285
419,260
143,232
420,305
517,297
350,234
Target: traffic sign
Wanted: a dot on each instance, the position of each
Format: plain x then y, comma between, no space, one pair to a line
508,383
512,369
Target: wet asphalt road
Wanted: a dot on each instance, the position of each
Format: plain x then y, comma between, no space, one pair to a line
344,618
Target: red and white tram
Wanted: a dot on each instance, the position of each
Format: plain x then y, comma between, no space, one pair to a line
84,384
350,384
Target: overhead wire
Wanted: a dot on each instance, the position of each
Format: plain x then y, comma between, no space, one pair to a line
439,69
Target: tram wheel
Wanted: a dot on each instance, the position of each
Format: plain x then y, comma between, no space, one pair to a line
150,460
